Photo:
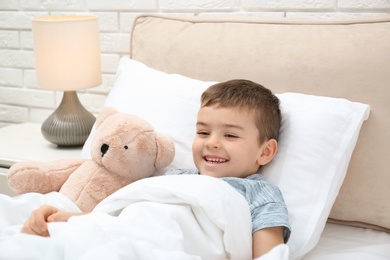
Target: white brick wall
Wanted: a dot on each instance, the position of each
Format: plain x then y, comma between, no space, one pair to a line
20,98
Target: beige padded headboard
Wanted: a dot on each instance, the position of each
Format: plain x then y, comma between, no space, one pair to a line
349,59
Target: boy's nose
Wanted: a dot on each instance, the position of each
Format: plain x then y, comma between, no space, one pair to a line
213,142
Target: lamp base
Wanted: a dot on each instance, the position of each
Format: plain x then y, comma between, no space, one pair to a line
70,124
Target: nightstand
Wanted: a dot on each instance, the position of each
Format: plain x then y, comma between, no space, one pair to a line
24,142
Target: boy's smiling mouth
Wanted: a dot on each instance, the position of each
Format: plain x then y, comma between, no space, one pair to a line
214,160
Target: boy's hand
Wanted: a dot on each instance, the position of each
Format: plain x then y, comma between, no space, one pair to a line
265,239
37,222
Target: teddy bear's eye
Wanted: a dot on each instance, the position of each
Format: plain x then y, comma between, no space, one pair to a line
126,147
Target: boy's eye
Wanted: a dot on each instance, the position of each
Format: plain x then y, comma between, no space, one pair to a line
231,136
202,133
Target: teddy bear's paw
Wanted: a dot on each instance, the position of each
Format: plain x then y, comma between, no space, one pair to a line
38,177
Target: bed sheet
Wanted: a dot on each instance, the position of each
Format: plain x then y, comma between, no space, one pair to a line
100,232
340,242
168,217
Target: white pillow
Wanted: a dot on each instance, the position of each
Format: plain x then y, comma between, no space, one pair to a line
317,138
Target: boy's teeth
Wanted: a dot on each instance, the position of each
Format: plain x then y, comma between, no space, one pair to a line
215,160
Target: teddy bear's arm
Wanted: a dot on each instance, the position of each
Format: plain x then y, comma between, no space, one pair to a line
41,177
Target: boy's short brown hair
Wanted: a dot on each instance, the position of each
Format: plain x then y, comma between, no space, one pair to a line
249,96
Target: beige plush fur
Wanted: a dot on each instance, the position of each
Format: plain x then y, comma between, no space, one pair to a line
124,149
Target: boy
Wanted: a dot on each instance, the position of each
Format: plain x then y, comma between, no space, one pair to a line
236,133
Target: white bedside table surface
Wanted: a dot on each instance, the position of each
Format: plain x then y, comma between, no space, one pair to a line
25,142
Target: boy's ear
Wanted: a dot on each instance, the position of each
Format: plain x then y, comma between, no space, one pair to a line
268,151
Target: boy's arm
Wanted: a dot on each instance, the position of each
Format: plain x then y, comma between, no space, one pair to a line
265,239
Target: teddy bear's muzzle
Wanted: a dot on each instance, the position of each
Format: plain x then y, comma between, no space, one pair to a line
104,149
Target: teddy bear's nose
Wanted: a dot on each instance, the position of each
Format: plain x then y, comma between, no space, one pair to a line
104,149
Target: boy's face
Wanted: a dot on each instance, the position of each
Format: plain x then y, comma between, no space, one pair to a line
226,143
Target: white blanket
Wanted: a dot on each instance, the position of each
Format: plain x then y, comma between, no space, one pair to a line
168,217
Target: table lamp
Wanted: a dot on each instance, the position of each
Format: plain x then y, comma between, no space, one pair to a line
67,58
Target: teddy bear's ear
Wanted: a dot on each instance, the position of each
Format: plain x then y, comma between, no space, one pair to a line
104,114
165,151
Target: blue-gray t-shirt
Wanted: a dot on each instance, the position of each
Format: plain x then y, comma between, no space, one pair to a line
265,200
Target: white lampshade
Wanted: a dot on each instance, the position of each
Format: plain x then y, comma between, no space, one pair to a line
67,52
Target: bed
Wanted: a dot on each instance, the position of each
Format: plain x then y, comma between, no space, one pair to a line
333,80
347,59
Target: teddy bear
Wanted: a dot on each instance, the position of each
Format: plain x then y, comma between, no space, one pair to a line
125,148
